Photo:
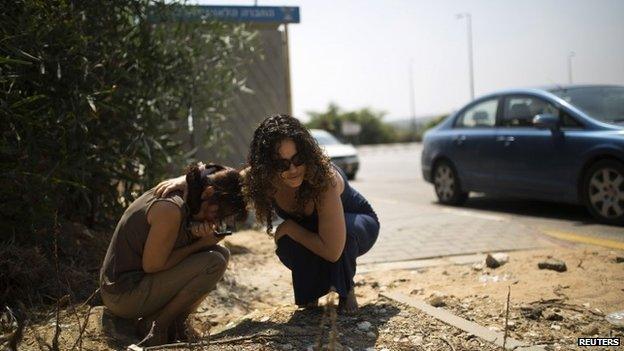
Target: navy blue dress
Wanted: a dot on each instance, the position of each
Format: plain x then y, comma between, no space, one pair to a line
312,275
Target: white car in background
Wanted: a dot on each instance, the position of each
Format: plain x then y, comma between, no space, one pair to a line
342,155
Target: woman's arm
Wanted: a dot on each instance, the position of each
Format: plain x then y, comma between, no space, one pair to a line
330,240
158,254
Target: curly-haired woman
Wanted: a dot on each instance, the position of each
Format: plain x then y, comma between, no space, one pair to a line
159,265
327,224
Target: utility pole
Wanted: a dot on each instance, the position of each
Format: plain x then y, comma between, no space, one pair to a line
468,18
412,98
286,48
571,54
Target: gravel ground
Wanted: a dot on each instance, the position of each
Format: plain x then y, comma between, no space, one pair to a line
383,324
252,309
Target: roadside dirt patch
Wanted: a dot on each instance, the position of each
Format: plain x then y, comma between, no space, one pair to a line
546,307
252,309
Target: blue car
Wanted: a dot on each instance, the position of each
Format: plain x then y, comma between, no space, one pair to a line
563,144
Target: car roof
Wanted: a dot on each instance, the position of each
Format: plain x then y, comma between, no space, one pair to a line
574,86
545,92
540,90
319,131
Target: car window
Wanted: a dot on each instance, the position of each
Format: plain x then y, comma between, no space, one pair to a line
480,115
604,103
519,111
324,138
568,122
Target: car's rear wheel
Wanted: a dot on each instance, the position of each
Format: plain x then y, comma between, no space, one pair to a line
603,191
447,185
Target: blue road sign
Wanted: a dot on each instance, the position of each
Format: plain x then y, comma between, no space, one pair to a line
249,14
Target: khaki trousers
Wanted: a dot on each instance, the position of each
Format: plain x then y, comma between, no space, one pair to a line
198,273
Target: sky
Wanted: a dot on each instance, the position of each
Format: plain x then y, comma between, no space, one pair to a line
357,53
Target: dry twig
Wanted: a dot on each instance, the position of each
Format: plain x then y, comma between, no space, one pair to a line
57,326
217,342
40,342
507,317
15,337
562,305
333,333
90,297
82,329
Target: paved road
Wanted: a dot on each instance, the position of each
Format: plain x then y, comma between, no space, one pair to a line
415,226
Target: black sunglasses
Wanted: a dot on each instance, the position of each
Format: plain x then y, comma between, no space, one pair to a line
283,164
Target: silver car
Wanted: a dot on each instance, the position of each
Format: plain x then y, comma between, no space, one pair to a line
342,155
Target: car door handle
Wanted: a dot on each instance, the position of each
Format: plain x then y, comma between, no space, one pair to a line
459,139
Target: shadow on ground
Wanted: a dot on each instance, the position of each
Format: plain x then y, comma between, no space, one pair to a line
534,208
303,328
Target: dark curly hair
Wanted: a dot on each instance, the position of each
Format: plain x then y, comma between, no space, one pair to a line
228,190
259,187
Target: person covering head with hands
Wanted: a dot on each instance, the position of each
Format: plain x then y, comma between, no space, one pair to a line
164,257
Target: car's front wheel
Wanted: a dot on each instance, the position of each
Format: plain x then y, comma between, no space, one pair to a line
447,185
603,190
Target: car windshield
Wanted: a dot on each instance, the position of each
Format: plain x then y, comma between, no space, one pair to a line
604,103
324,138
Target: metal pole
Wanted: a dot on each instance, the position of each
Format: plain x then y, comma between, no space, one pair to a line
469,21
571,54
470,58
412,98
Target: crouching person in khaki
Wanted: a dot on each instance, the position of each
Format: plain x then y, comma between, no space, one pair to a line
164,259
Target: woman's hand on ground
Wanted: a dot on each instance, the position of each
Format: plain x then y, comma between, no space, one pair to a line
166,186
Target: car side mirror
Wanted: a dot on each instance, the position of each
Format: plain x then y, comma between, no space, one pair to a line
546,121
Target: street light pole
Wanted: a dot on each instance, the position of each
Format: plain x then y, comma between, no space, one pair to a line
470,61
571,54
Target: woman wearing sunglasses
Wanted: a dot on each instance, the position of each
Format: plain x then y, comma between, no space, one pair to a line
163,258
327,224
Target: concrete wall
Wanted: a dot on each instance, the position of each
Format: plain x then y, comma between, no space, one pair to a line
267,78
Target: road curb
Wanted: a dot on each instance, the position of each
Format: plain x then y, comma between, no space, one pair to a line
461,323
364,268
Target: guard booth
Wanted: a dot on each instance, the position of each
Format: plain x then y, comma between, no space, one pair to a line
268,78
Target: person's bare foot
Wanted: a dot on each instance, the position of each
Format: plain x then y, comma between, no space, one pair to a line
310,305
348,304
151,333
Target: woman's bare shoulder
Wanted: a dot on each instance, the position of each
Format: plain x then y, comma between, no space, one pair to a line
163,211
337,184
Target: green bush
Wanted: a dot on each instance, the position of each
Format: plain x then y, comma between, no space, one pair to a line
94,102
434,122
373,129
